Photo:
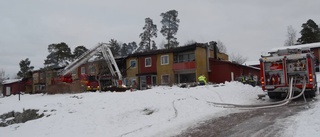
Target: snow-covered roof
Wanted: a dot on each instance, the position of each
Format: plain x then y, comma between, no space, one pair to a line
250,63
8,81
311,45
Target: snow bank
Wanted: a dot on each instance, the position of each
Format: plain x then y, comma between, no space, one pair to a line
161,111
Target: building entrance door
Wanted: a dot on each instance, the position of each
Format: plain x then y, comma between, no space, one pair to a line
143,83
8,91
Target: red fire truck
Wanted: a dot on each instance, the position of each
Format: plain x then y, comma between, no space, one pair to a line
89,81
281,65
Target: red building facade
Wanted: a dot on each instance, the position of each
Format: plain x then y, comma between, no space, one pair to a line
222,71
12,87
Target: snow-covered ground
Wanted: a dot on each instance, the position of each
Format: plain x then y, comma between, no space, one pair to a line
160,111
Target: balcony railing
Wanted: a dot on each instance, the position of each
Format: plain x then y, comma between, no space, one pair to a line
184,65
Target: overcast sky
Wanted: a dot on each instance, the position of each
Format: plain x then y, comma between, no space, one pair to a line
246,27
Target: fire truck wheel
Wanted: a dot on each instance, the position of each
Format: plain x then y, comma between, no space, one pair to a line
274,95
310,94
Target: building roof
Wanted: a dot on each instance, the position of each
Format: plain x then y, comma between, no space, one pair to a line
226,61
173,50
250,63
9,81
311,45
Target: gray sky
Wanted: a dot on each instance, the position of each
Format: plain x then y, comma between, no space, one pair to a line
246,27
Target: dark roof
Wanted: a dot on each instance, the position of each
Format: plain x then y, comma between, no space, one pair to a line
228,62
173,50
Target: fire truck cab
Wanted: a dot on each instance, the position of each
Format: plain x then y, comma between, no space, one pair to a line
281,65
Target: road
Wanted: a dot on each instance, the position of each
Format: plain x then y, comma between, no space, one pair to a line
254,123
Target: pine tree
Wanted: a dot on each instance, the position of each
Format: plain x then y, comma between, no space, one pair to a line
124,49
25,69
59,55
150,31
78,51
132,47
114,47
170,28
310,33
154,46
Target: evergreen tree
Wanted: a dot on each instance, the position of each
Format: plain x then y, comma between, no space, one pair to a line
154,46
129,48
114,47
170,28
78,51
132,47
310,33
150,31
59,55
124,49
25,69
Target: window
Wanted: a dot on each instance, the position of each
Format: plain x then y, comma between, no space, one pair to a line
186,57
191,57
73,72
41,76
148,62
42,87
92,69
133,63
165,79
83,70
164,60
186,78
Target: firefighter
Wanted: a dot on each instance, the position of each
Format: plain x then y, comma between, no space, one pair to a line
251,80
202,80
242,79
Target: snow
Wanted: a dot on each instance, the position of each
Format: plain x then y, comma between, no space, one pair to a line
9,81
160,111
306,123
311,45
249,63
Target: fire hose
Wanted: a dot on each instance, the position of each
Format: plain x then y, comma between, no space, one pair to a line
268,105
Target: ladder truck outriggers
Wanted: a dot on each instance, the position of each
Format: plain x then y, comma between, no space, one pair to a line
104,48
280,66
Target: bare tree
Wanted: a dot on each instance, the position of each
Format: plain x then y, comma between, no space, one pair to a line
237,58
222,48
291,36
2,75
190,42
2,78
102,70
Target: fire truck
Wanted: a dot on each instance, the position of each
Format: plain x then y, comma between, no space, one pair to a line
279,66
91,83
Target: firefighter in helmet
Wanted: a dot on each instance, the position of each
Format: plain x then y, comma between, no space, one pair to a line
242,79
202,79
251,80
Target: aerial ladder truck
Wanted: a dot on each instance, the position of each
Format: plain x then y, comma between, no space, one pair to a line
104,48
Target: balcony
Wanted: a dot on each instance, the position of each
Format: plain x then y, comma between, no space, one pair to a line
184,65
